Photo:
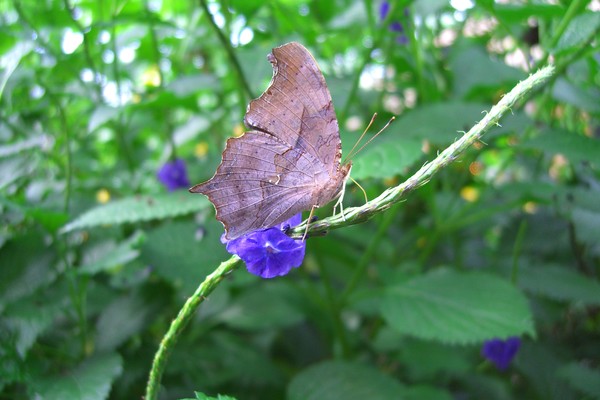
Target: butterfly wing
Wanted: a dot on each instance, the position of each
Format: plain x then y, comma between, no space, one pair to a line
297,107
260,183
290,161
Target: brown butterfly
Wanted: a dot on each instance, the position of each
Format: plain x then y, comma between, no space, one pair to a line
290,160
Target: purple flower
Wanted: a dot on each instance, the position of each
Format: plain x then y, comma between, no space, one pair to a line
396,27
173,175
501,352
269,252
384,9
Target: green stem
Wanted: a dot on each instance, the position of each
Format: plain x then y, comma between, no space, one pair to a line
393,195
180,322
230,53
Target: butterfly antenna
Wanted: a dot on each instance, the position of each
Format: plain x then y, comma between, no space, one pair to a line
375,135
350,153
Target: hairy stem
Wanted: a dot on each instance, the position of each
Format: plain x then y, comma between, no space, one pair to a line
180,322
395,194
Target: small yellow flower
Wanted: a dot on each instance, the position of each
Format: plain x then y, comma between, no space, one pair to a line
201,149
469,193
530,207
102,196
151,76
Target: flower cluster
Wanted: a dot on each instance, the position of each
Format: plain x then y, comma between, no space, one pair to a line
173,175
269,252
501,352
395,26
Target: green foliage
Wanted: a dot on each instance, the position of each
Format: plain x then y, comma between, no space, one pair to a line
440,306
97,257
341,380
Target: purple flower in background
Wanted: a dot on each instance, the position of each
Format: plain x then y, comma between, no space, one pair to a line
384,9
501,352
269,252
173,175
395,26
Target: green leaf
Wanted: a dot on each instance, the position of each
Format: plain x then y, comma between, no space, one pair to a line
183,252
91,380
581,29
585,98
27,320
267,308
560,283
27,265
107,255
139,208
125,317
424,392
100,116
475,71
386,158
582,378
332,380
454,307
202,396
577,148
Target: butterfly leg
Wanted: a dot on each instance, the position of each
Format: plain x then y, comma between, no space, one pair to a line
339,202
312,211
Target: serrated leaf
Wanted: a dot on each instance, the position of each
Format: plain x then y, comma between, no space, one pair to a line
582,378
139,208
386,158
109,254
91,380
580,30
560,283
123,319
343,380
577,148
453,307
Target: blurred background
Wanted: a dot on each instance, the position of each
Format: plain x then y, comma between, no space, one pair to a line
482,284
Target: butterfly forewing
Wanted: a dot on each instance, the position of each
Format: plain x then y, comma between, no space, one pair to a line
290,162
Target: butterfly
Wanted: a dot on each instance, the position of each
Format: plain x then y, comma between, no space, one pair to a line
290,159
